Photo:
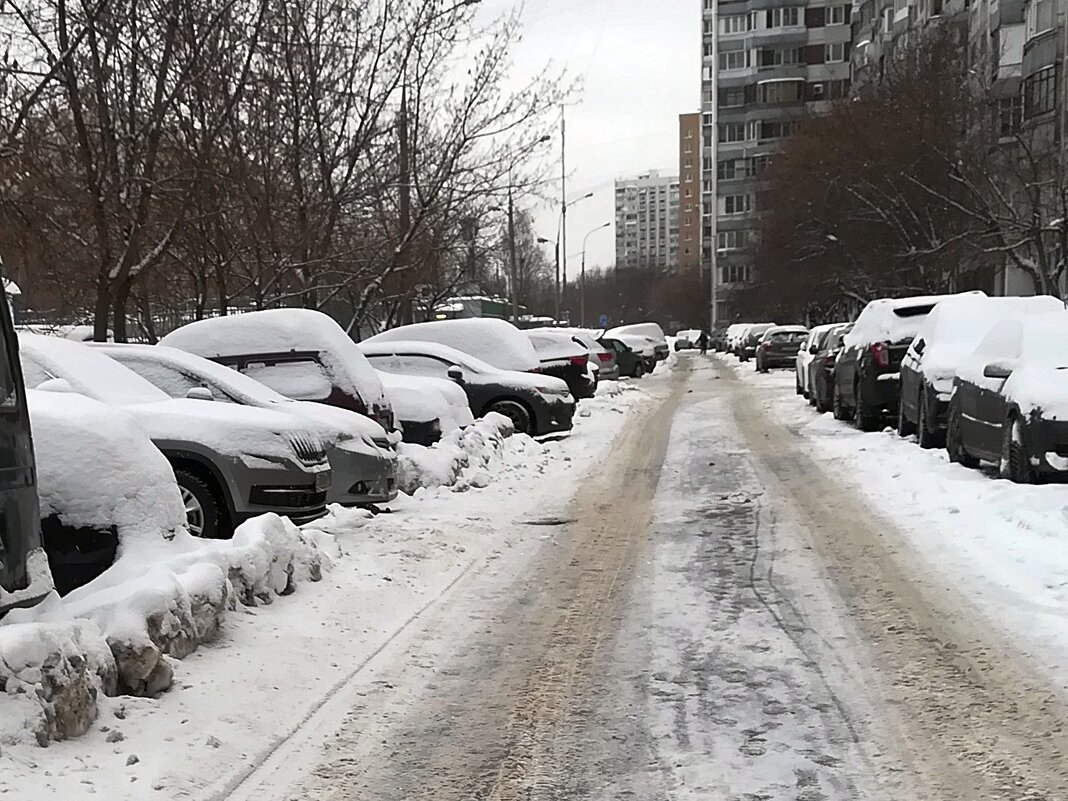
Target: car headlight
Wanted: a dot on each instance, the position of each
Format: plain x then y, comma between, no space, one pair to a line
555,392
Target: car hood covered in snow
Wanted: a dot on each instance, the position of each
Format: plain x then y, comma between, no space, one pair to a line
495,342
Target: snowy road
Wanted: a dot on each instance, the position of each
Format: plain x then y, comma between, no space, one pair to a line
713,617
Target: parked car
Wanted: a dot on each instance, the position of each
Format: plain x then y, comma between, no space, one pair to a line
565,358
867,374
426,407
101,482
601,358
650,330
747,344
630,362
536,404
363,464
1010,400
494,342
717,339
231,463
687,339
735,332
779,346
24,575
299,353
809,348
821,370
949,334
643,346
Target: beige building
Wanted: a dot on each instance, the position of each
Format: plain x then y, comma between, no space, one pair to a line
689,248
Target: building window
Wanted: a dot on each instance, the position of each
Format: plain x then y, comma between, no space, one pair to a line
732,132
1041,14
730,240
777,57
734,59
731,98
780,92
1040,92
834,15
734,273
735,23
1010,115
736,204
778,130
782,17
834,52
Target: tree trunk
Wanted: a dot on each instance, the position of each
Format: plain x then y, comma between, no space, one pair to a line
122,297
102,310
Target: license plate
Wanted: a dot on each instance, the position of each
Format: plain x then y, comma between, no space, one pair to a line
322,480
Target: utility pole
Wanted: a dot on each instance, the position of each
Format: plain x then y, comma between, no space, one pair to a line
561,247
582,275
404,160
511,254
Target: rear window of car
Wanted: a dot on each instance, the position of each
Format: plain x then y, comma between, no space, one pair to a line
914,311
788,336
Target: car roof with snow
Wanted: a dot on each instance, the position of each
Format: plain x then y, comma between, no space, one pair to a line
651,330
556,346
417,347
894,319
494,341
283,331
1038,340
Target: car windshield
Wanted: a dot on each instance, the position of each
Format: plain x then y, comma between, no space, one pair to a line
87,371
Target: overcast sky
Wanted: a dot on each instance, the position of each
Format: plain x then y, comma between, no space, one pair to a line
639,63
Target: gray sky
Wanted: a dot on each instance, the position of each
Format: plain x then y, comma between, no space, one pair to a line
639,63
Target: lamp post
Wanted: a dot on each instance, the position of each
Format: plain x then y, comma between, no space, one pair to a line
514,272
582,278
561,245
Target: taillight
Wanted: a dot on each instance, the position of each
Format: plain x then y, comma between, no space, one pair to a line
604,357
766,346
579,361
880,354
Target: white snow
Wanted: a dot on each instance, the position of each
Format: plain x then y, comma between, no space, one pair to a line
650,330
234,700
283,330
894,319
496,342
553,346
1000,544
420,399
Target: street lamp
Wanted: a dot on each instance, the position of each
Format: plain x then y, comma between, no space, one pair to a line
511,235
582,279
561,236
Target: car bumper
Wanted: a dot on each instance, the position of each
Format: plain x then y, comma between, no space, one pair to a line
662,352
883,391
299,495
420,433
780,359
555,416
608,373
362,475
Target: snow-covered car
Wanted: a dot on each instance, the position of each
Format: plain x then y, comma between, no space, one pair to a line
778,346
1010,400
821,369
687,339
734,333
536,404
949,334
300,353
24,575
362,461
231,463
495,342
809,348
867,375
629,362
564,357
649,330
603,359
100,481
426,407
642,345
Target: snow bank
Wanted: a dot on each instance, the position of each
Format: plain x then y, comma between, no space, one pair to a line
461,459
496,342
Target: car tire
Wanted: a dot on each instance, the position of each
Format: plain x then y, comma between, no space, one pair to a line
838,407
1015,465
822,404
204,514
905,427
639,370
955,440
862,416
928,436
517,413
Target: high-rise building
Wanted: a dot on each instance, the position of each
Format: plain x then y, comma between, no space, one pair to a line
647,221
764,69
689,250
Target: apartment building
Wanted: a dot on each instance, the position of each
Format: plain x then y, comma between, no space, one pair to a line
689,251
647,221
765,68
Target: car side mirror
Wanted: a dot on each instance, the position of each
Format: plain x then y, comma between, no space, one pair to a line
55,385
456,373
200,393
998,370
814,349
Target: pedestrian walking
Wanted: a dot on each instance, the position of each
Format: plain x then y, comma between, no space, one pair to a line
702,342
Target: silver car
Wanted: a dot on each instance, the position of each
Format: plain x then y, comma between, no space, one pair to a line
231,463
363,463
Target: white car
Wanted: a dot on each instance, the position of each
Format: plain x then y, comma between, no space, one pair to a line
648,330
809,348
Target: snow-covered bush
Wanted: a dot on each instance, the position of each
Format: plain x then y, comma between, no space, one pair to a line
460,460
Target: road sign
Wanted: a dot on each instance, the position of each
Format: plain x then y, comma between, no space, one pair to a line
603,320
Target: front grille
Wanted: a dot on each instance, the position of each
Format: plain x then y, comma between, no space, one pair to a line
287,497
308,447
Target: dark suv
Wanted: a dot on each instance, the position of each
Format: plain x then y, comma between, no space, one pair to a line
779,346
747,347
24,575
867,376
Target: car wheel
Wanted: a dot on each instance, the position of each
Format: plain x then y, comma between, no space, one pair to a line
928,436
639,370
905,428
821,403
841,412
515,412
863,417
955,440
1015,464
203,512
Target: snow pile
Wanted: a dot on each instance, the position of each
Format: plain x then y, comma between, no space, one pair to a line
496,342
461,459
51,675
